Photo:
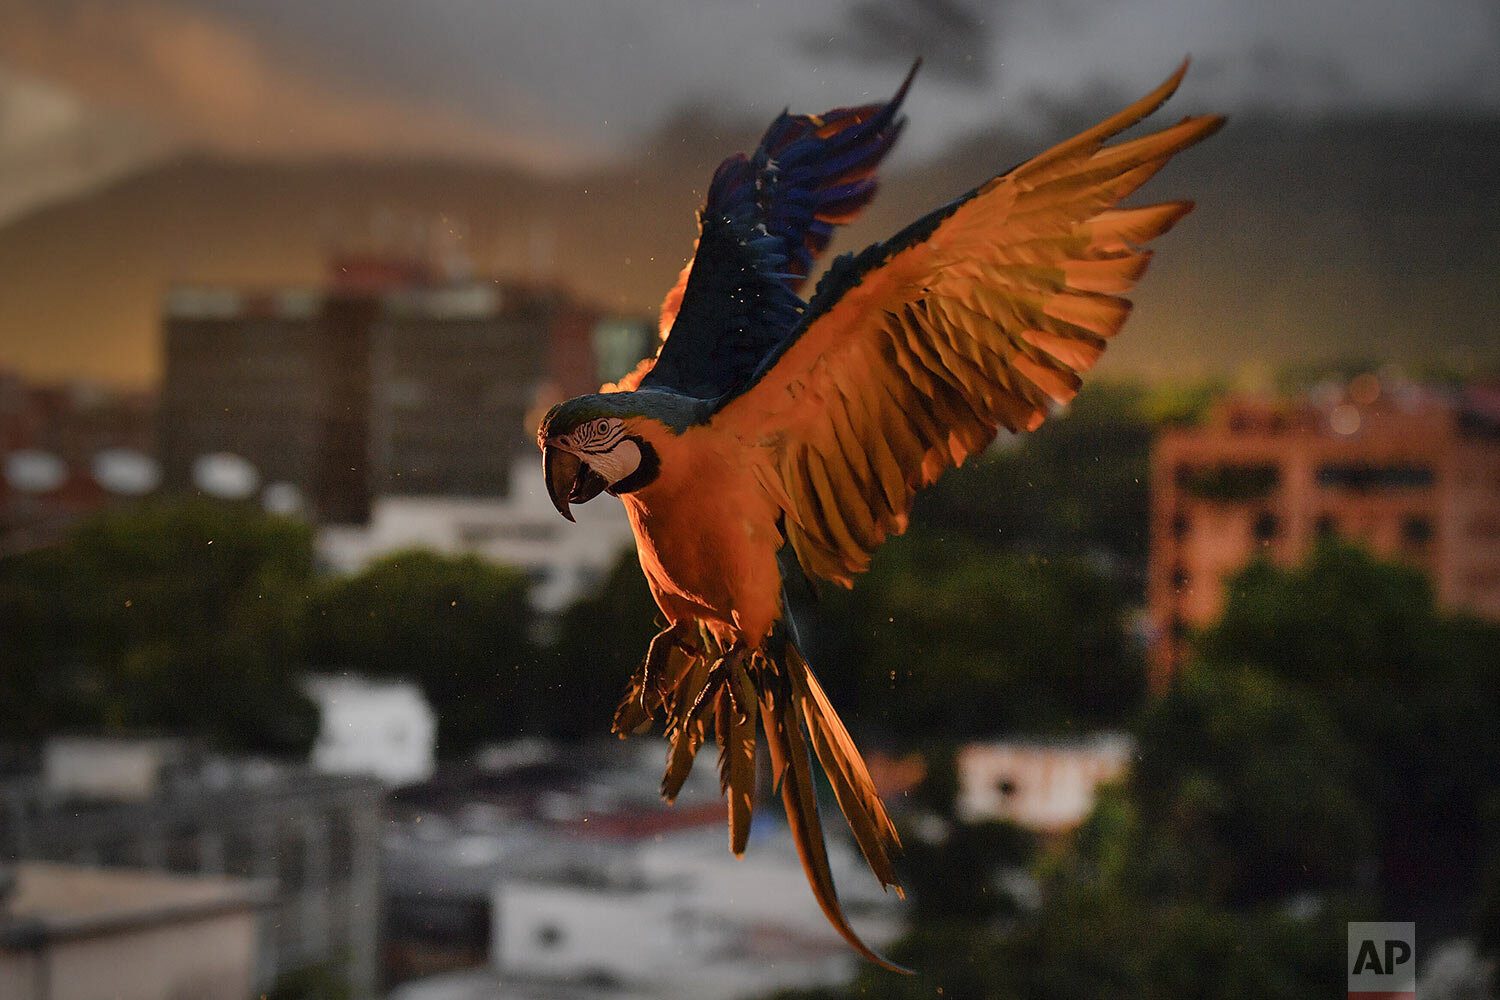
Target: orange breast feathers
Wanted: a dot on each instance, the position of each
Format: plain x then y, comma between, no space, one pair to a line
706,534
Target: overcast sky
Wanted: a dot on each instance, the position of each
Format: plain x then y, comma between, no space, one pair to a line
562,83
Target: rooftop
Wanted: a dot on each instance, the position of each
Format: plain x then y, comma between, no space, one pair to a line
52,901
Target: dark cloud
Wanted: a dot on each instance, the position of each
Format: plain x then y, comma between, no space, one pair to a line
955,38
554,82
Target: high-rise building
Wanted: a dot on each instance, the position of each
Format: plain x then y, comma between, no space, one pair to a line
386,383
1410,473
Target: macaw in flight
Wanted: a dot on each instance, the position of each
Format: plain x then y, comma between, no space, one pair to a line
773,440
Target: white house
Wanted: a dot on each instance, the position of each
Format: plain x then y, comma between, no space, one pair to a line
385,729
117,769
1041,785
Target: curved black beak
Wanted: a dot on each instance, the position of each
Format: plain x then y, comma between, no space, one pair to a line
569,479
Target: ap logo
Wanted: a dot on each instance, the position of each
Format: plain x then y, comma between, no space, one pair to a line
1382,961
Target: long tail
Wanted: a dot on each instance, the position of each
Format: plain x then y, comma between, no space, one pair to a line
702,689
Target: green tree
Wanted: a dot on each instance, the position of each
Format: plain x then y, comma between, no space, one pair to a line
957,878
600,640
1414,691
460,627
1078,484
1247,792
1034,645
176,615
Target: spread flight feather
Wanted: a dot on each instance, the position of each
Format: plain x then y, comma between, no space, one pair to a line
828,416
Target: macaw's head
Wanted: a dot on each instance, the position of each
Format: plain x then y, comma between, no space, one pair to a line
604,442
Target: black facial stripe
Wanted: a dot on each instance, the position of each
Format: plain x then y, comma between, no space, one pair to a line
589,440
644,474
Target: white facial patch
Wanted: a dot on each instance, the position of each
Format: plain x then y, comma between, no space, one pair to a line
617,463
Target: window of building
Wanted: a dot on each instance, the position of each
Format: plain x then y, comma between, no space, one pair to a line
1180,526
1366,477
1416,530
1266,527
1180,577
1229,481
1326,526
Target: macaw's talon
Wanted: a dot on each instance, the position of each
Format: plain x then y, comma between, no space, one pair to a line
653,681
712,684
653,668
685,691
732,691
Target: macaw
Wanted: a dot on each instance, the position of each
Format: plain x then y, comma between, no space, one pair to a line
772,440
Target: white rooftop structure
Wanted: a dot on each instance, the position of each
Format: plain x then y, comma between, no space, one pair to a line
384,729
564,561
109,768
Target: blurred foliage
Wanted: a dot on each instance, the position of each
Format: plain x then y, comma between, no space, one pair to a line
1331,755
460,627
599,642
1230,822
173,616
958,878
1034,644
1414,692
1078,484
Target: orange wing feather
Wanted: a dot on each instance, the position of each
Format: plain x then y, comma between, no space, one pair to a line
987,321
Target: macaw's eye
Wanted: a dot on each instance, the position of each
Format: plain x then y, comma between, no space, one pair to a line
600,425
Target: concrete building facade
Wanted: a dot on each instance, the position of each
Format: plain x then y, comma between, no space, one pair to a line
1412,474
314,838
77,933
403,387
563,561
67,451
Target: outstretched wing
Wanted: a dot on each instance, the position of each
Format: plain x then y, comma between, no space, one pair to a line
766,218
981,315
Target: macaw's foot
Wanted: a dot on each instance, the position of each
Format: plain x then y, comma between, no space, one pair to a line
668,658
704,690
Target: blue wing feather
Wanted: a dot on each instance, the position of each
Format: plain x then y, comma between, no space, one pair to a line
766,219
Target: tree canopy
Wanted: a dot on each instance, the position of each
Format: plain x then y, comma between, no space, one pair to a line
460,627
177,616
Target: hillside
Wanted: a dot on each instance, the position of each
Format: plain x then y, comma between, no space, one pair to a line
1372,238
